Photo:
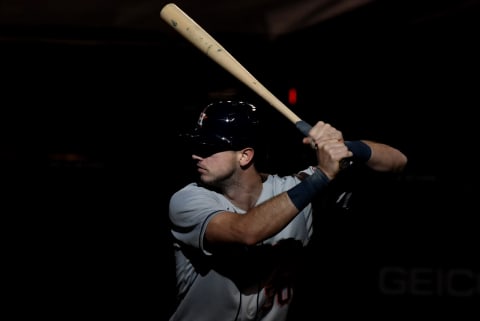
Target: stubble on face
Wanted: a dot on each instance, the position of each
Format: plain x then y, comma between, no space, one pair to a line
217,169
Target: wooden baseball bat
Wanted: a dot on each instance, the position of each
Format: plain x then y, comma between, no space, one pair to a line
194,33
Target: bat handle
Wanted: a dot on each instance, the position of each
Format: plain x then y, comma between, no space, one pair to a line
305,127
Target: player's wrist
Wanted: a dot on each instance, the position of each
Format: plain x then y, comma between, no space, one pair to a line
302,194
361,151
328,175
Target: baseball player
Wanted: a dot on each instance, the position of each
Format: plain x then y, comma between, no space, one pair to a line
239,233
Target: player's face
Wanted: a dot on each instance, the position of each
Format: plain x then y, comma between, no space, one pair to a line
217,168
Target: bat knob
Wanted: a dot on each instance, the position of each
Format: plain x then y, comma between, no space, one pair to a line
346,163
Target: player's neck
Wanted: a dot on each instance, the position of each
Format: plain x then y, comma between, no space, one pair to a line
245,192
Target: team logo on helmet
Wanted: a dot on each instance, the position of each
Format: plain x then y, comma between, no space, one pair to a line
203,116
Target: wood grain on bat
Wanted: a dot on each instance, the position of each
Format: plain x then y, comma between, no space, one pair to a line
194,33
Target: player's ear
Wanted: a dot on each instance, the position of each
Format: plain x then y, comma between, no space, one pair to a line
246,155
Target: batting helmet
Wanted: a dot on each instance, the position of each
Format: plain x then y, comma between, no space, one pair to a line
225,125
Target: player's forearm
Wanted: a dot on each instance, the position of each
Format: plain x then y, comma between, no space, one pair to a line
272,216
385,158
266,219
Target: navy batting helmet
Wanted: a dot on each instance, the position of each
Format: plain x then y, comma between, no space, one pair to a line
225,125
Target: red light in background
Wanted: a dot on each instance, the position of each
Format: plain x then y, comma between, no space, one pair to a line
292,96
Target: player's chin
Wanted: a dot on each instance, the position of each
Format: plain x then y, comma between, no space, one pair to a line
205,178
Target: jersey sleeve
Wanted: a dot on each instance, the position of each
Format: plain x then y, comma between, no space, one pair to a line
190,210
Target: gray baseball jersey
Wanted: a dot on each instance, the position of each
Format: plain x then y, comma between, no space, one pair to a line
236,282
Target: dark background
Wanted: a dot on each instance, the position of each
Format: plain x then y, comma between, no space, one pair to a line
90,156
